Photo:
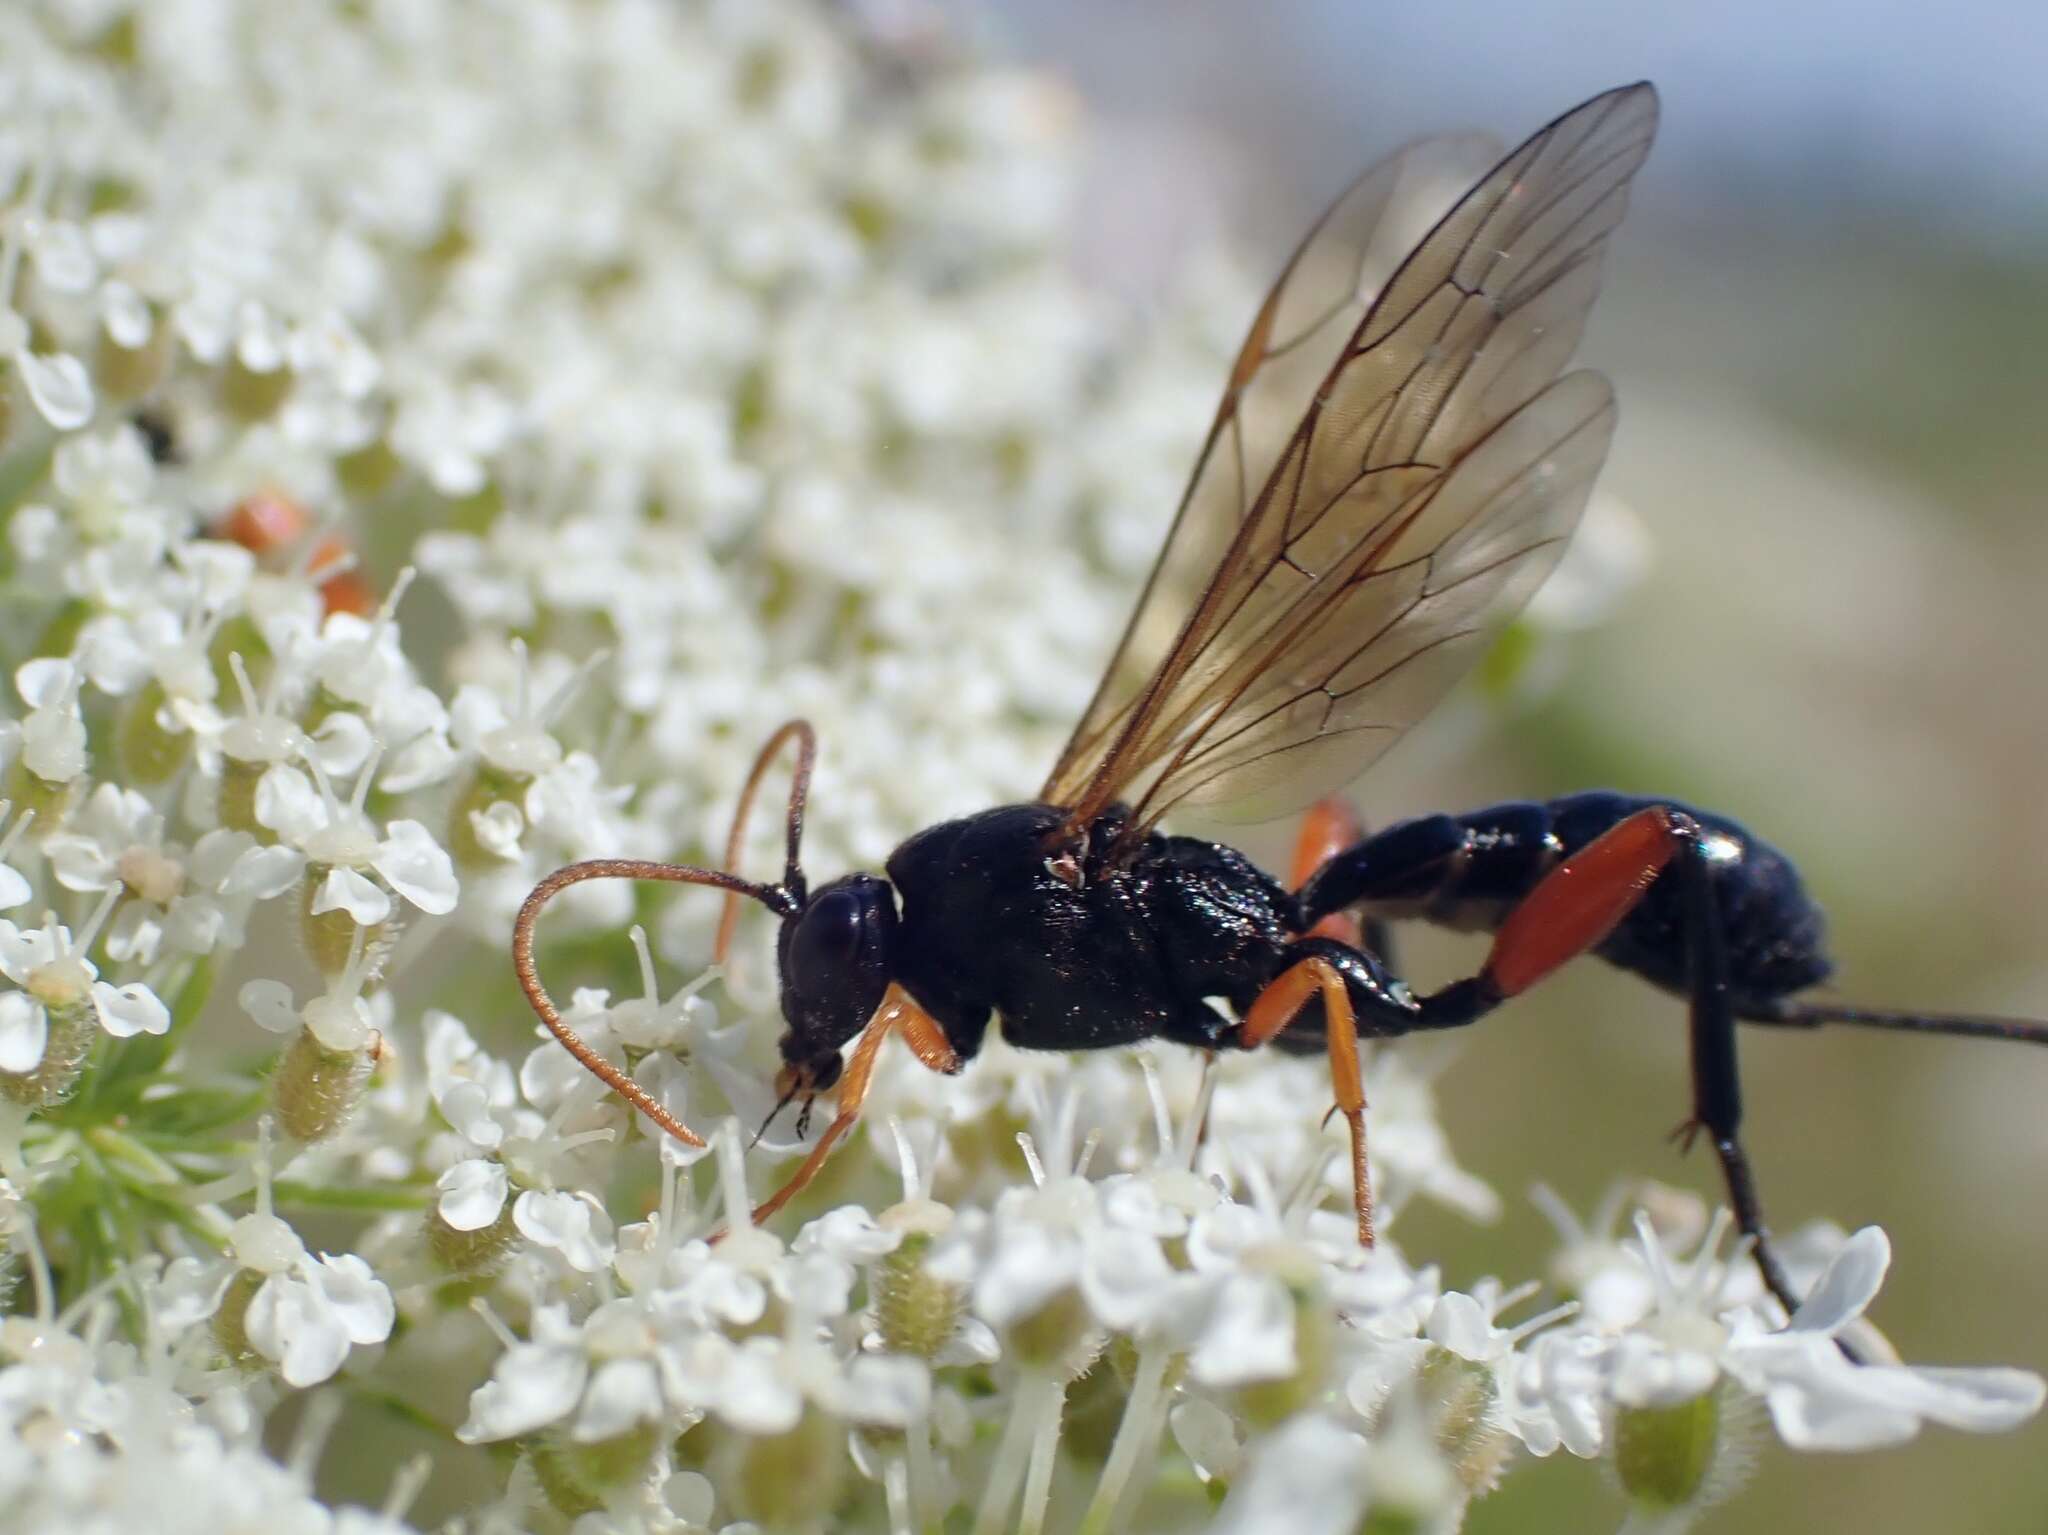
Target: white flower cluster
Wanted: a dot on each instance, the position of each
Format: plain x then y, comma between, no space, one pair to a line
709,364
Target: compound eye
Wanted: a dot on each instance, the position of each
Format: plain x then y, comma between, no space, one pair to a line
828,933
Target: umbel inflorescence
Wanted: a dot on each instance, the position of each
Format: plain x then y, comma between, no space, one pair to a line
437,444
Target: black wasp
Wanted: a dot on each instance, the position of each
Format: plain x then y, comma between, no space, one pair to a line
1395,467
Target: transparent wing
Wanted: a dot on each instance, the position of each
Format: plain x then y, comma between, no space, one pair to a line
1429,483
1312,311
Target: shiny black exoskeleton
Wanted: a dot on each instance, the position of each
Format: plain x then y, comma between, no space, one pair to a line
1468,872
1000,916
1068,954
1072,956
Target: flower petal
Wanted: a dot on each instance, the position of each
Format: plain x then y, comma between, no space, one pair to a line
418,868
532,1385
288,1322
264,872
359,1300
472,1193
572,1226
1979,1401
362,898
190,1291
497,829
288,804
270,1004
622,1393
466,1105
24,1031
1306,1479
131,1009
1250,1336
59,386
1847,1285
341,744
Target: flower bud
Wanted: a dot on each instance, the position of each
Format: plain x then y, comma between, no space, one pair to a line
1458,1397
478,1254
129,373
330,936
231,1318
1059,1336
1686,1454
369,470
786,1481
316,1089
150,751
915,1312
580,1478
238,782
466,846
250,394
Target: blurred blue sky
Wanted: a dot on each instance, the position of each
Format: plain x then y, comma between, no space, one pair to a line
1826,103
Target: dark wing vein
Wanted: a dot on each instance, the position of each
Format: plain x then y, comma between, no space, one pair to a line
1387,481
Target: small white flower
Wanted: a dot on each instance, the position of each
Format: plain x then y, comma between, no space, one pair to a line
53,973
516,742
1821,1400
473,1193
307,1321
58,386
53,740
1308,1479
533,1384
343,841
573,1225
340,1018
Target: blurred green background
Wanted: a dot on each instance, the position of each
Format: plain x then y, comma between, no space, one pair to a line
1827,320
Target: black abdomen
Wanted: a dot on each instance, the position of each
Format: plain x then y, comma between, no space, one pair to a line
1469,871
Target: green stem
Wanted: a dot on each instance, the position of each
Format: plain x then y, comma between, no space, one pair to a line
1007,1469
924,1476
1140,1409
896,1490
131,1154
1045,1446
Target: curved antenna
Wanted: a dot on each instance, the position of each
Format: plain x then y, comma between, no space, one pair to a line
799,796
774,897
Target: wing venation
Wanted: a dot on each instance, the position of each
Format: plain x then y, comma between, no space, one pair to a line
1393,470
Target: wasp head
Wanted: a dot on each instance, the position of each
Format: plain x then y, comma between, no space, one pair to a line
837,953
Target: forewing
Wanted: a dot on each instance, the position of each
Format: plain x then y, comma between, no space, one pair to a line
1311,313
1436,471
1342,671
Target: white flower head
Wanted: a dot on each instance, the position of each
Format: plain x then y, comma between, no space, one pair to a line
345,845
308,1319
52,742
1822,1400
53,975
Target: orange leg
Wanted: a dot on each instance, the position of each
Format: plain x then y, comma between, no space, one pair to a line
1578,903
1277,1006
1330,827
900,1014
